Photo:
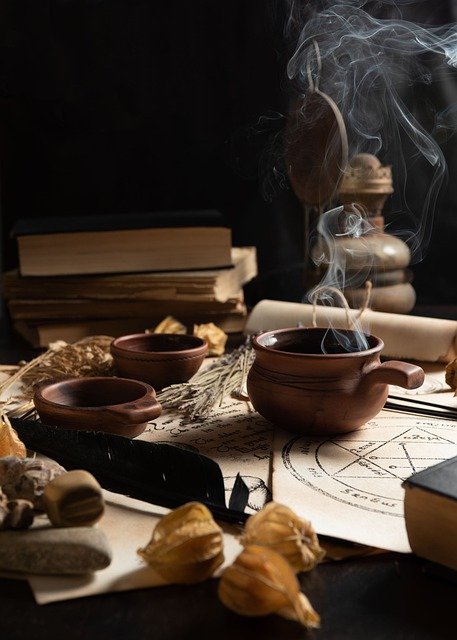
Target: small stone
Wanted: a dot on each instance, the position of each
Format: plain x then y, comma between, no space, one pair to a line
26,478
54,551
20,514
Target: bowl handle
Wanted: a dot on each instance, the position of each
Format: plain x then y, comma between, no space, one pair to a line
139,411
395,372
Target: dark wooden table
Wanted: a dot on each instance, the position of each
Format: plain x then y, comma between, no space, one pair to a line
388,596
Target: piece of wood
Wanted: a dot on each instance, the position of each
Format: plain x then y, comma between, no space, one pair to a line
74,499
316,148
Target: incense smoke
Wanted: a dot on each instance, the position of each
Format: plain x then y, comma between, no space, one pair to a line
366,64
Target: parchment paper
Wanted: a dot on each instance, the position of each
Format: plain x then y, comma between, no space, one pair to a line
350,486
404,336
128,525
234,435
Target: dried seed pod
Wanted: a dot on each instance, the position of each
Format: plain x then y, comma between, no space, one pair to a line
279,528
10,444
3,508
26,478
186,545
214,336
261,582
169,325
451,375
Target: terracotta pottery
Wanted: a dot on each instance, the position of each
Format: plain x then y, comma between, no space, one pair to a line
161,359
316,148
298,387
113,405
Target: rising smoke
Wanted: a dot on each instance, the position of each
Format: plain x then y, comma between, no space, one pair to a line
367,63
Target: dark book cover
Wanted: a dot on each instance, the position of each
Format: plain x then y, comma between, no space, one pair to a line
440,478
157,219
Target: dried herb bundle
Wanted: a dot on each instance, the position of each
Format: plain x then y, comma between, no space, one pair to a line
87,357
207,389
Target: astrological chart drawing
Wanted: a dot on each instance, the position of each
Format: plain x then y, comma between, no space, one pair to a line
234,435
356,478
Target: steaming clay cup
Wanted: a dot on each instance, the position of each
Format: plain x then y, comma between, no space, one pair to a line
297,387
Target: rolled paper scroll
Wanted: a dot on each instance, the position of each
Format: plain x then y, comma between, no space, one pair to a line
404,336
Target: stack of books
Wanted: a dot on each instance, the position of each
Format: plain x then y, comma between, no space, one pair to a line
116,274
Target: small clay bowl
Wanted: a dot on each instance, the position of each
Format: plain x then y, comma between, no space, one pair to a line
113,405
161,359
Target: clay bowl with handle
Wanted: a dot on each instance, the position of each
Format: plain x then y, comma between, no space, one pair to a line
114,405
160,359
322,382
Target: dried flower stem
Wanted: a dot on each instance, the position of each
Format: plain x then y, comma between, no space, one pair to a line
87,357
208,389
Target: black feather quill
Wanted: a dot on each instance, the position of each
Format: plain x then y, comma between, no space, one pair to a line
158,473
240,494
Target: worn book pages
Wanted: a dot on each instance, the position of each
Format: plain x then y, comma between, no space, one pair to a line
204,284
404,336
128,525
236,437
350,486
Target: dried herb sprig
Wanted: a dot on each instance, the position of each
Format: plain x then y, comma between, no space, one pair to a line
87,357
207,389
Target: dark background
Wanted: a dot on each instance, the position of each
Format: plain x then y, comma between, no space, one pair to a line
133,105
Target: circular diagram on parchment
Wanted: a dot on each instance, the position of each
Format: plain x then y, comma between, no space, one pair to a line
366,468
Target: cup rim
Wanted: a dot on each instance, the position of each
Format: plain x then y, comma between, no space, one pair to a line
148,391
118,345
327,356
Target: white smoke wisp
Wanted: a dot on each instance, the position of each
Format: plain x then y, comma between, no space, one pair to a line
335,225
367,62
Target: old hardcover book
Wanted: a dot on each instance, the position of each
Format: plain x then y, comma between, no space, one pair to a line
431,513
123,244
51,309
205,284
42,333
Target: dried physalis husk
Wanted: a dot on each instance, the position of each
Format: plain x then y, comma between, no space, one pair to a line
10,444
214,336
260,582
169,325
451,375
186,545
279,528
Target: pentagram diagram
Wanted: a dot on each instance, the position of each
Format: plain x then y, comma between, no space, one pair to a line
366,468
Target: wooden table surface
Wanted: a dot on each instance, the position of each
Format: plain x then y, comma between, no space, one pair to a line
388,596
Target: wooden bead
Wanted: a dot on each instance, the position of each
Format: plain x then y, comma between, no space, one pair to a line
74,499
